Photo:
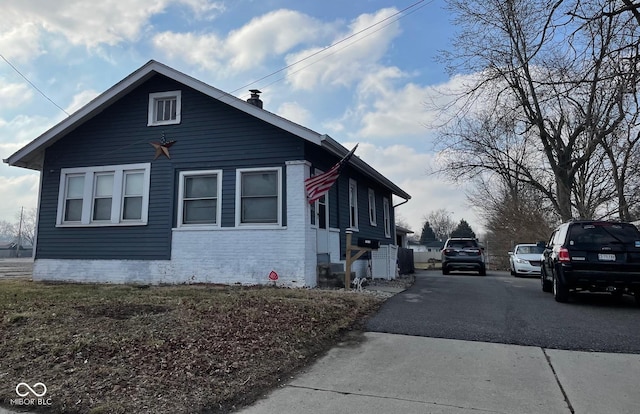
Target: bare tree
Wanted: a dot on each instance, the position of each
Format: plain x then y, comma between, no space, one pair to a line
512,215
6,230
22,229
556,77
441,223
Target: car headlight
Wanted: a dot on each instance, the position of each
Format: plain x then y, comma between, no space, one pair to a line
522,261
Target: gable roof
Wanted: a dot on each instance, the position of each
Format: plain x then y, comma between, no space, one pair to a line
32,155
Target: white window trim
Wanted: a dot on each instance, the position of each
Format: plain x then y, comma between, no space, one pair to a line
387,217
153,97
184,174
353,203
372,208
278,223
117,196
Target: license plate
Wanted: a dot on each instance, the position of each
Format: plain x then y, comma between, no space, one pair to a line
462,253
606,257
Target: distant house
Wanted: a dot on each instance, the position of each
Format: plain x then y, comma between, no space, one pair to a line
165,179
11,249
426,252
406,262
402,239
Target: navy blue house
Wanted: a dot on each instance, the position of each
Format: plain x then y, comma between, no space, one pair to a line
165,179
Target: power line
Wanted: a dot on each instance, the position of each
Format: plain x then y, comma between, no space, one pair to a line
337,43
342,48
32,85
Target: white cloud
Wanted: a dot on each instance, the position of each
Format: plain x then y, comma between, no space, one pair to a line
205,9
279,33
19,42
82,22
81,99
294,112
274,33
346,62
19,131
14,94
205,51
246,48
17,191
402,115
24,23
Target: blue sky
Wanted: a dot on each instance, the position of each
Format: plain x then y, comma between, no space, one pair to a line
369,89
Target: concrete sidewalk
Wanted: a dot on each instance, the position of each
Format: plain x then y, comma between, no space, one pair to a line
406,374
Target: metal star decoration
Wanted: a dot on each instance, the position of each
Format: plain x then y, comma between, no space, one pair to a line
162,147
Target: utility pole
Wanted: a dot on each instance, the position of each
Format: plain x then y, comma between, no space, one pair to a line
19,233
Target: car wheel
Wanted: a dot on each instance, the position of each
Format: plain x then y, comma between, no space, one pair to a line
445,270
546,285
513,273
483,270
560,289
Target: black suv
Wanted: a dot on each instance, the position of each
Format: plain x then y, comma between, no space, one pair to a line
463,253
598,256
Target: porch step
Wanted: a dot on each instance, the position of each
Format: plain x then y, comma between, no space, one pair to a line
330,278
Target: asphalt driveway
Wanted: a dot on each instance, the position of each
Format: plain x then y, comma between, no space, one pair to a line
500,308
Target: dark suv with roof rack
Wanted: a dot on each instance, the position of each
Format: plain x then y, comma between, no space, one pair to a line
463,253
596,256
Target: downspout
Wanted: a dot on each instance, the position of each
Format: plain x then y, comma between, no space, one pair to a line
394,216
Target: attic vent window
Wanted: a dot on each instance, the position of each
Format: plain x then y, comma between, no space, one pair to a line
164,108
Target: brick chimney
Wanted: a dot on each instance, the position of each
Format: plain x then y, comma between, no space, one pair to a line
255,98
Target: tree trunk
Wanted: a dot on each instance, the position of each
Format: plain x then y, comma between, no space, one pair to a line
563,194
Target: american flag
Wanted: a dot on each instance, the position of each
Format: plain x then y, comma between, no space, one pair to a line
319,185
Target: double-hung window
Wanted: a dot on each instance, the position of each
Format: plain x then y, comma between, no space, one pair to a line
353,204
134,195
259,196
200,195
73,197
387,217
372,208
104,196
164,108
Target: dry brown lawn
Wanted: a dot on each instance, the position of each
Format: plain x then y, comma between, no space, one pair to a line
167,349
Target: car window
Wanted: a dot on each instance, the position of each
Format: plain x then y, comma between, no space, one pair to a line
529,250
603,233
461,244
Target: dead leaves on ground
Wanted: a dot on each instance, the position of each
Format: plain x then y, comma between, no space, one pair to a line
105,349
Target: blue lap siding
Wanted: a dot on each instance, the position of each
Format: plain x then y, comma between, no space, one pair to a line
211,135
